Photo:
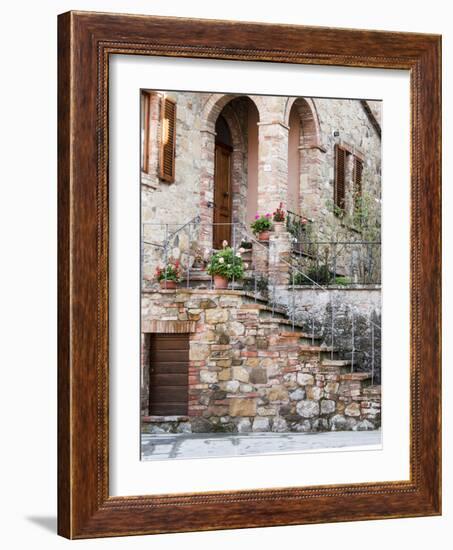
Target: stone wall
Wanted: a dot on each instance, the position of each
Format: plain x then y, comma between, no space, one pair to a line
344,122
249,371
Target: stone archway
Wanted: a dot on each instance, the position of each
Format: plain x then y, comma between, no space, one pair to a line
305,150
311,137
227,106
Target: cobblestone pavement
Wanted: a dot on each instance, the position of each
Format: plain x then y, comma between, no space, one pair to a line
164,446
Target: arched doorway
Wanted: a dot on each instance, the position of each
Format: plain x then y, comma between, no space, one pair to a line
304,150
222,184
293,200
235,185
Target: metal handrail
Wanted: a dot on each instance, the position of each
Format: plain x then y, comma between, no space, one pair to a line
295,215
241,232
254,239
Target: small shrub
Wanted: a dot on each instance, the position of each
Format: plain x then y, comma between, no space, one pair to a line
321,276
343,281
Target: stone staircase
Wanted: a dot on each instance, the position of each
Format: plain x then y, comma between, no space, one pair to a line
254,369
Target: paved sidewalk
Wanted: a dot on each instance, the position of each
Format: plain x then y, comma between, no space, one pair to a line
164,446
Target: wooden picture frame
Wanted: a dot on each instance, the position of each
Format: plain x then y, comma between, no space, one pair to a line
85,41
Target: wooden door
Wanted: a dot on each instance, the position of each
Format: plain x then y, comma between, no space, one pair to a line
168,374
222,195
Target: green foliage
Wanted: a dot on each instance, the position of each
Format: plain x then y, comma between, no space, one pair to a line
364,218
342,281
226,263
261,223
320,275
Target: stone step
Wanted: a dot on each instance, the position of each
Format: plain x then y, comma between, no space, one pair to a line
259,298
297,335
292,330
356,376
336,363
320,349
276,310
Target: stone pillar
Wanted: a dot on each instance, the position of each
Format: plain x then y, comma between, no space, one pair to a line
312,181
207,186
260,260
279,259
272,165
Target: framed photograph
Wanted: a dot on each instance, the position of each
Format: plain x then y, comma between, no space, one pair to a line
249,275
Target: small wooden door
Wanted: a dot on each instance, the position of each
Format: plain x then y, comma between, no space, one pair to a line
168,374
222,195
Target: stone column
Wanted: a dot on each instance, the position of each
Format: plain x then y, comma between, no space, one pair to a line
272,165
312,180
260,260
207,186
279,259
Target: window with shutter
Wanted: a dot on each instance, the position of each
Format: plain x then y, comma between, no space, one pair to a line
168,140
358,169
340,177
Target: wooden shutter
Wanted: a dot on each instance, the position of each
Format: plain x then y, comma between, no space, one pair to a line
146,130
358,169
168,374
340,177
167,140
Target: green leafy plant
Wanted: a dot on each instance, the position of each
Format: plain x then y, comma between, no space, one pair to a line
170,272
320,275
342,281
226,263
246,245
261,223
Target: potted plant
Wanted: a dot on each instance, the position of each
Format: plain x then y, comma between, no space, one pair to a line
262,226
245,245
279,219
169,275
224,266
198,262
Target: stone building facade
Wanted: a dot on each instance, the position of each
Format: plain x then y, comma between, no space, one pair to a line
255,363
282,151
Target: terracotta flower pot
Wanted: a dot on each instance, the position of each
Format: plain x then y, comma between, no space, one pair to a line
220,282
264,235
168,285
